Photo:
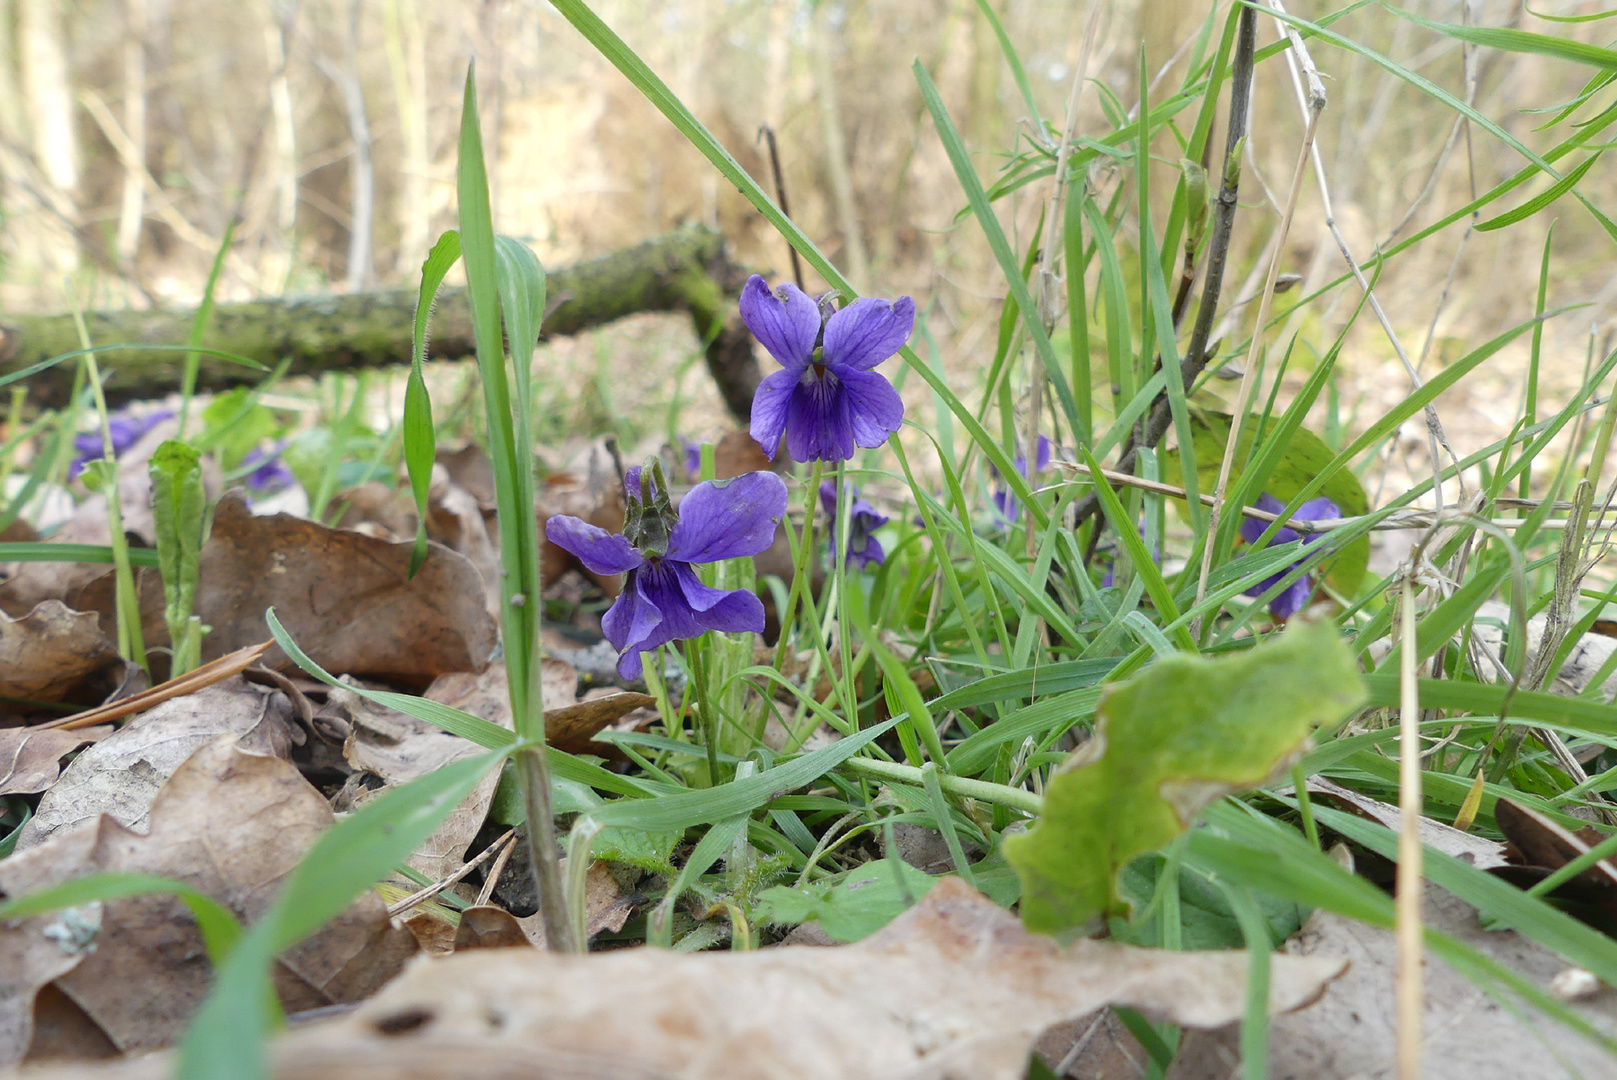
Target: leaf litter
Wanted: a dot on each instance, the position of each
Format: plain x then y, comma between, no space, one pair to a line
955,987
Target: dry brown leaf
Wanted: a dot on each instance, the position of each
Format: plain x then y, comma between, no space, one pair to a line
1479,851
345,598
1350,1032
229,823
573,727
953,988
63,1032
49,652
470,468
29,757
484,926
121,774
605,907
398,748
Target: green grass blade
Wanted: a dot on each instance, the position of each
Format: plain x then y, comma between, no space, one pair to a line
420,435
966,173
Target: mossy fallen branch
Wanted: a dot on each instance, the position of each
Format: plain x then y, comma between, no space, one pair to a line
687,270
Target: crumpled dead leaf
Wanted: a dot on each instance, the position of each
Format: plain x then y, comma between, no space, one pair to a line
49,652
953,988
1479,851
122,774
1351,1030
486,926
345,598
229,823
30,757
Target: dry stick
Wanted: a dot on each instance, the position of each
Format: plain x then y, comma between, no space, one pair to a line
1434,427
1316,105
768,134
486,893
1218,247
427,893
1410,889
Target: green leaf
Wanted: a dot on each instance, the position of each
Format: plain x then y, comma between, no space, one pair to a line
39,551
1168,742
1306,456
177,505
1541,200
420,436
851,906
1207,919
1522,41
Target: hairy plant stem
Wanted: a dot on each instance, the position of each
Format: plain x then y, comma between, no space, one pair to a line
533,770
1196,355
841,529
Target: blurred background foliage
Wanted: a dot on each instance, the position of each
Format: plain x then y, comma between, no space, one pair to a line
134,132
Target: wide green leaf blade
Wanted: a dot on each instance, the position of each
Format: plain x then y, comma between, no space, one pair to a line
1168,742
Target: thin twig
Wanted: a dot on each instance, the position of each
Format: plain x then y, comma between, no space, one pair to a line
505,842
1303,69
1218,245
768,134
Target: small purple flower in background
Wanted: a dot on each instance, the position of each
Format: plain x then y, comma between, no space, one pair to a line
1295,596
827,400
1010,508
863,521
269,473
693,460
126,430
662,599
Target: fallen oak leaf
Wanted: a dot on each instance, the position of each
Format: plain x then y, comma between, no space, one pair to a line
52,650
30,758
231,825
122,774
347,599
953,988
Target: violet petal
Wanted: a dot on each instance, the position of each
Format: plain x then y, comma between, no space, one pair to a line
873,405
819,423
868,331
602,552
733,611
786,321
770,407
727,519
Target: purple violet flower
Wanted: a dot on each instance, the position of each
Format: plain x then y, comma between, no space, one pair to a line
126,430
693,460
1010,508
269,473
864,520
662,599
826,400
1295,596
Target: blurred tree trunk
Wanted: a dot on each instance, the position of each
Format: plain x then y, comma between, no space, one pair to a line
681,271
47,94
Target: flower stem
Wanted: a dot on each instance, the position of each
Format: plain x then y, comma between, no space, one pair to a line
706,721
802,566
841,528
